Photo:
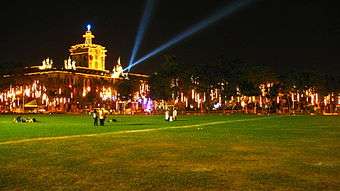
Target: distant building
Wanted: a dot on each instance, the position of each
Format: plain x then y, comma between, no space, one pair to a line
83,83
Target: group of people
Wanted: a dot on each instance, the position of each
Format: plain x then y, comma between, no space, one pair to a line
170,115
99,114
20,119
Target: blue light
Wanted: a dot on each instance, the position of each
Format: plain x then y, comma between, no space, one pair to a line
88,27
142,28
219,14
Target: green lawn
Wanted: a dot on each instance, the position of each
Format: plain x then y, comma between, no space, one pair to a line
203,152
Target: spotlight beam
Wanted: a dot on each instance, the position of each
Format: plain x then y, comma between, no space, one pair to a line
141,29
219,14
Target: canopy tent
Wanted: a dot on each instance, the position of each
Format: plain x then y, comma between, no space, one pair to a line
31,104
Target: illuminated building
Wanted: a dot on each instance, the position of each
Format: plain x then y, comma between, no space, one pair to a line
88,55
81,83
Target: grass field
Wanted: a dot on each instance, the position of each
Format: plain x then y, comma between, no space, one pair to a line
203,152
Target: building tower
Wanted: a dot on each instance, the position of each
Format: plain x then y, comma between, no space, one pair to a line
88,55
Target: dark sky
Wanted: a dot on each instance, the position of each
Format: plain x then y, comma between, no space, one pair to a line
279,33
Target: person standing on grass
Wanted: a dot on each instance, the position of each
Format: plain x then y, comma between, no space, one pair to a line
167,115
171,114
95,117
101,117
174,114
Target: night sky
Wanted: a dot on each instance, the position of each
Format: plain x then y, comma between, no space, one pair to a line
281,34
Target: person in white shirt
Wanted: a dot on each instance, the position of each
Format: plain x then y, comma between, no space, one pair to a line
166,115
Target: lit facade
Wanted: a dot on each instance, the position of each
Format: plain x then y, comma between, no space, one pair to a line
80,84
88,55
